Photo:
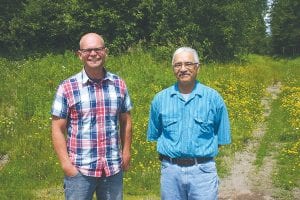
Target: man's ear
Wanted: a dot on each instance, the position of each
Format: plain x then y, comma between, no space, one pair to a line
78,54
106,52
198,68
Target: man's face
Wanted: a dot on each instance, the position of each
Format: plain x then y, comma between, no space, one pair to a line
185,68
92,51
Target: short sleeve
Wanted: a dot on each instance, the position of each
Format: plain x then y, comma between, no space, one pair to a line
59,106
223,125
154,126
126,104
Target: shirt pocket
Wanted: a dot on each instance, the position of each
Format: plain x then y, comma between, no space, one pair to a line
203,128
80,110
113,105
171,127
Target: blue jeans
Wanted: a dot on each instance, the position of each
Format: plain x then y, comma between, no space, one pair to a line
81,187
196,182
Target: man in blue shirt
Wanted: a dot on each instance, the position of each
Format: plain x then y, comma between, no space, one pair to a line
189,121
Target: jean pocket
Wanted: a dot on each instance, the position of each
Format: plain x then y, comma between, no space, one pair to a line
73,176
164,164
209,167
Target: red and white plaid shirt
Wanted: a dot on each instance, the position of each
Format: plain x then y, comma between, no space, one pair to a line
92,110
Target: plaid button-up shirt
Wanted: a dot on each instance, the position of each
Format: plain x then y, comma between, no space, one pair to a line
92,111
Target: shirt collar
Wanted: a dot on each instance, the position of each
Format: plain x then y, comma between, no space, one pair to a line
198,89
86,79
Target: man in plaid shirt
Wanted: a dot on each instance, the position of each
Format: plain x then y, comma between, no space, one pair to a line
93,108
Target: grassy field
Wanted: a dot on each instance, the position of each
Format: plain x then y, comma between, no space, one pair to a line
27,90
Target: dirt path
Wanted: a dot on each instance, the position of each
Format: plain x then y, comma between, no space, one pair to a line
245,182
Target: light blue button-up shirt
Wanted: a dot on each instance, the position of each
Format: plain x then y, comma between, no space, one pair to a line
189,128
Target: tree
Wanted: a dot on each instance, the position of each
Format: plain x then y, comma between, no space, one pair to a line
285,27
8,8
217,29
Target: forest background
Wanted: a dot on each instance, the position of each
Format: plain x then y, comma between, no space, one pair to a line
240,59
219,30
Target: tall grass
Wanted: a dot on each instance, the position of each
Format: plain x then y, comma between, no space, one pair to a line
27,92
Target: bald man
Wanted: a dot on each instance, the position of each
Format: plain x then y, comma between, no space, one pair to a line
93,109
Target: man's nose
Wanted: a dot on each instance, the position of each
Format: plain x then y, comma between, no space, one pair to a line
183,68
93,52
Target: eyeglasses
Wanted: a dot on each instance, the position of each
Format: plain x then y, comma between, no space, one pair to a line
90,50
188,65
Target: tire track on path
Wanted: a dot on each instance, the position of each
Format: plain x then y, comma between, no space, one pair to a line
244,181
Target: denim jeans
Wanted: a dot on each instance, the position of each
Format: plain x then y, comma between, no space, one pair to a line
197,182
81,187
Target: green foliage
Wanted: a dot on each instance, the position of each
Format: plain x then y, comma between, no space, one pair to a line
285,26
8,9
46,26
220,30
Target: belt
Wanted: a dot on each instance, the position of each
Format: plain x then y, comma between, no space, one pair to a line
185,161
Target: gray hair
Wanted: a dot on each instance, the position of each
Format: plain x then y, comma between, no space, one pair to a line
186,49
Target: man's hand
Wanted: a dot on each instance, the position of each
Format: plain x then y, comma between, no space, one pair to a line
70,170
59,144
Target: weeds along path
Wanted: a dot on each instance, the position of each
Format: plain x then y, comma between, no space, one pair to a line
245,181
